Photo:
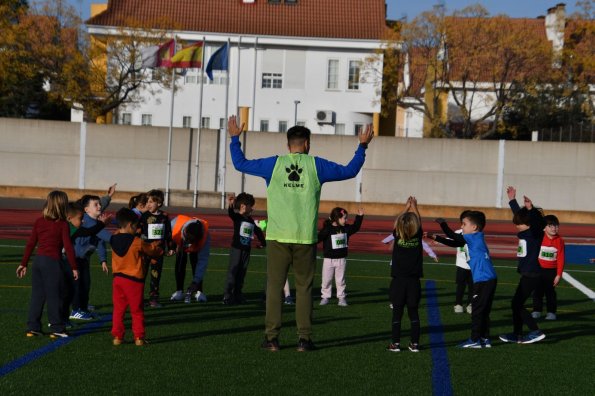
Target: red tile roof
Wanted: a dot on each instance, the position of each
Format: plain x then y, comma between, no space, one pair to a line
344,19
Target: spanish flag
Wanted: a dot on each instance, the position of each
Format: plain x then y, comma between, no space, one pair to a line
187,57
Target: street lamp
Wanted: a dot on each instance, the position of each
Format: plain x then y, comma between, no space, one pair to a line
296,102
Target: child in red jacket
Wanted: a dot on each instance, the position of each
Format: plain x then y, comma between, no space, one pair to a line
551,260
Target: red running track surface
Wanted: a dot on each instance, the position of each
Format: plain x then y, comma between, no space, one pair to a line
500,236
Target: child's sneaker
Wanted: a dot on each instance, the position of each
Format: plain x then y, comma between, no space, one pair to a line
140,341
413,347
33,333
59,335
342,302
469,309
324,301
510,338
458,309
485,342
117,341
470,344
288,300
81,315
533,336
394,347
200,297
177,296
155,304
550,316
536,315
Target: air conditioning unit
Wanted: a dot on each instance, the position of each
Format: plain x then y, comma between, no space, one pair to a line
325,116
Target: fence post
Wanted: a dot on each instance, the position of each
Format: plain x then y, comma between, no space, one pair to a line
82,154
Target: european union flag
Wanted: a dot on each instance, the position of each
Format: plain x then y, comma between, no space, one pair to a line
218,61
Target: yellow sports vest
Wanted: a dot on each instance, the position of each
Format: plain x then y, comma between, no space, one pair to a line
293,197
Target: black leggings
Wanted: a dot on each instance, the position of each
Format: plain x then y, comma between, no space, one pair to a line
405,292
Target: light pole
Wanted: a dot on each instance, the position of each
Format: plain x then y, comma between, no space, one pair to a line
296,102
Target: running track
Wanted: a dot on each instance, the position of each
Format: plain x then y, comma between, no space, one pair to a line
500,236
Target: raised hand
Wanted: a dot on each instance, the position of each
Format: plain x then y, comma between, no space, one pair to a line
111,189
232,127
360,211
511,192
366,135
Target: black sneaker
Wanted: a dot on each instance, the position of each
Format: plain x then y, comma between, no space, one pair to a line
33,333
413,347
271,345
305,345
394,347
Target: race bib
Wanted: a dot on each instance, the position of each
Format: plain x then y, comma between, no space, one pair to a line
246,229
339,241
548,253
522,249
156,231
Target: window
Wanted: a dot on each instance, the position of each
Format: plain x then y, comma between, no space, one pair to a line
301,123
282,126
186,122
339,129
147,119
274,1
222,124
205,123
264,125
190,79
290,1
354,68
272,80
126,119
332,74
358,128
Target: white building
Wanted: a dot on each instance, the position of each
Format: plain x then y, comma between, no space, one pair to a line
298,61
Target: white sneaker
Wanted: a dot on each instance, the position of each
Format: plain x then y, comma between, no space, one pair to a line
550,316
342,302
324,301
469,309
177,296
200,297
459,309
536,315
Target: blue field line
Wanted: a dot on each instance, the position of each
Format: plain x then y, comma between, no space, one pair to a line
441,384
51,347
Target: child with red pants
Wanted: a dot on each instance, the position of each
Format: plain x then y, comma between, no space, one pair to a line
129,273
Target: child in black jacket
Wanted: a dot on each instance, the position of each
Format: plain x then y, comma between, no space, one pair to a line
334,235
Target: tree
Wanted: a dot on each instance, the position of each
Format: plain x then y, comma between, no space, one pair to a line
114,75
461,71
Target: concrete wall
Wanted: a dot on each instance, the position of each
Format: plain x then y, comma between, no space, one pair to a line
440,172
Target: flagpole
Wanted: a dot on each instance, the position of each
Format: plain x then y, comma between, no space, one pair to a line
201,74
254,88
169,137
243,179
225,125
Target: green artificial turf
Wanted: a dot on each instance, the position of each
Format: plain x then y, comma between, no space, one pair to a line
212,349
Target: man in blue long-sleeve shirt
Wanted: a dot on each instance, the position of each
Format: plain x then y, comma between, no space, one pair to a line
293,196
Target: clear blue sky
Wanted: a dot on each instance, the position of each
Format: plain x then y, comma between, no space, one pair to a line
411,8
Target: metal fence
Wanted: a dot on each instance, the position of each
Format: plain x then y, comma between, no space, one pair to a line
577,133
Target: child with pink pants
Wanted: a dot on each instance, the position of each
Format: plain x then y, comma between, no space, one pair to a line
334,236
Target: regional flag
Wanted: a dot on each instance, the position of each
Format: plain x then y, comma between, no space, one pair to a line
157,55
218,61
190,56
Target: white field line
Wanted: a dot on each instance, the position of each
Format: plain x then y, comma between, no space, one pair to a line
586,291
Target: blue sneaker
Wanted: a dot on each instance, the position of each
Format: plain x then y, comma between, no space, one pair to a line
469,344
510,338
81,315
485,342
533,336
